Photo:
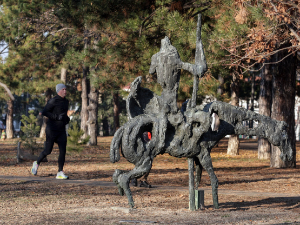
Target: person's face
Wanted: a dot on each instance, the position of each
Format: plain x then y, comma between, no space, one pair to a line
62,93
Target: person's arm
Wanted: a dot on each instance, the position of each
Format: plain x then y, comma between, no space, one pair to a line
67,118
47,111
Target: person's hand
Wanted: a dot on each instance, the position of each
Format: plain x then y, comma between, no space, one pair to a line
60,117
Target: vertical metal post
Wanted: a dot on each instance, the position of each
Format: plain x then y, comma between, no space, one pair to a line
192,205
200,61
199,199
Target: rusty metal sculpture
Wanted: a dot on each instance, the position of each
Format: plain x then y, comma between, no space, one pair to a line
186,132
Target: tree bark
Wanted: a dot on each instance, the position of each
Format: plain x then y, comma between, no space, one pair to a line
93,115
45,119
221,86
7,91
283,104
9,119
9,116
84,105
251,106
85,90
93,100
116,111
265,104
233,141
63,75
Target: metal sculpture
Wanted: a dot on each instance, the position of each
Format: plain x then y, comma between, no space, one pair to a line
186,132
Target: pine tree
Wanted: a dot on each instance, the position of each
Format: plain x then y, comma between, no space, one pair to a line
30,131
263,29
75,142
115,39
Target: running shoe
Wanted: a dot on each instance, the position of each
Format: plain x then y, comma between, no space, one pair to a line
34,168
61,175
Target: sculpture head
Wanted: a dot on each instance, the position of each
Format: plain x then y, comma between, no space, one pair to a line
166,46
165,43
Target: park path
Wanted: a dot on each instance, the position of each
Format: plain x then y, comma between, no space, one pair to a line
247,144
154,187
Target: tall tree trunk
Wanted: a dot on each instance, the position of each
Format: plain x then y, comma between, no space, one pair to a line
63,78
9,116
48,94
93,115
233,141
283,104
251,107
9,119
84,105
63,75
265,104
7,91
85,89
93,101
116,111
26,103
221,86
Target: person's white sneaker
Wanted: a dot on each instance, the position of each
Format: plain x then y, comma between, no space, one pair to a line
34,168
61,175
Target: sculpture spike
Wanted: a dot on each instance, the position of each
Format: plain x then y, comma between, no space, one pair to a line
200,61
199,56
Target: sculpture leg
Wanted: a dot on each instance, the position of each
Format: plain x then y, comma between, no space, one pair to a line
115,177
124,185
123,179
205,161
198,172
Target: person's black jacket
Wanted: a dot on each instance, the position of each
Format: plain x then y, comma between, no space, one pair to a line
56,110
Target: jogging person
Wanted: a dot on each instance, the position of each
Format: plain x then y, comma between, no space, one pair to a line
56,110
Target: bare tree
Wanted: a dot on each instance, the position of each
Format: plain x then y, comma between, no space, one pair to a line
10,108
93,115
265,104
233,141
283,104
84,103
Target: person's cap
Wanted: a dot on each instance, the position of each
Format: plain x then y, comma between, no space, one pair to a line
59,87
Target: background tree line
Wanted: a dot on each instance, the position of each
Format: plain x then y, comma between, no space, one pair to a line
98,47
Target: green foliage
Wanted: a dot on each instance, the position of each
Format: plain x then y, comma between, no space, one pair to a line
115,40
75,143
30,132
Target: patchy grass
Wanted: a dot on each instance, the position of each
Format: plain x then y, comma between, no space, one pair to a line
31,202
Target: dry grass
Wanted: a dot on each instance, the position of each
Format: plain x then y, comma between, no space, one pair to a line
30,202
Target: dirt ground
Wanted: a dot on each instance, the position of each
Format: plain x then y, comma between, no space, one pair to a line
250,192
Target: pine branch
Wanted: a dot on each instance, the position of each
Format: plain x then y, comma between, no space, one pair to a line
8,91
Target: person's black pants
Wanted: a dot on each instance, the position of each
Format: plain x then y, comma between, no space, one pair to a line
59,137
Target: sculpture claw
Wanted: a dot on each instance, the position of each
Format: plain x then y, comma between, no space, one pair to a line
131,204
216,206
121,190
